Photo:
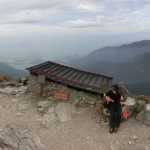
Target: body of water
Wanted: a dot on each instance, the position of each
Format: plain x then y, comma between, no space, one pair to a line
21,66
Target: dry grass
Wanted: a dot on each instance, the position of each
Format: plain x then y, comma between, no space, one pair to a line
142,97
4,77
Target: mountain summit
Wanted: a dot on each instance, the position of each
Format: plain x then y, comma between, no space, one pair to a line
122,53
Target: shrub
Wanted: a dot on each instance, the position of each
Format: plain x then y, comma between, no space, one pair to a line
4,78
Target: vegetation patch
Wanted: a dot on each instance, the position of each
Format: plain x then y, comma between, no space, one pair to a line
4,77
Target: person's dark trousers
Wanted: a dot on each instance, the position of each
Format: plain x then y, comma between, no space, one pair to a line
115,118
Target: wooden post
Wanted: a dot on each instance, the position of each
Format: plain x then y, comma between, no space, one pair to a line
105,87
41,92
41,80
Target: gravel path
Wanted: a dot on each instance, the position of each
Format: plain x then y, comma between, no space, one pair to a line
83,132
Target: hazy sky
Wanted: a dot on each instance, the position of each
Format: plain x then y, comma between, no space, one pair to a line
66,27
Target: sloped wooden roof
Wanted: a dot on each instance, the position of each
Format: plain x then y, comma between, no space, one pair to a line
71,76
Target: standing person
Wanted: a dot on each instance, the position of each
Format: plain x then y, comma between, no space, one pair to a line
113,97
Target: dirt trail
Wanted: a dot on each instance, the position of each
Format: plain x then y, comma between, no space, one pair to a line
83,132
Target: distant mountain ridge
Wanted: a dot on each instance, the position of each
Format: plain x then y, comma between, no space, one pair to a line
124,53
129,72
12,72
139,88
138,57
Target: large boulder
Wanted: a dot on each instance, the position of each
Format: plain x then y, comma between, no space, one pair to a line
44,104
65,111
140,106
49,120
106,112
144,115
123,90
16,137
130,105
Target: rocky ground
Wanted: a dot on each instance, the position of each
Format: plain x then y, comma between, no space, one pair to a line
85,130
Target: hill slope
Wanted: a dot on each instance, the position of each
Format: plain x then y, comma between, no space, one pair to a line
139,88
133,72
8,70
114,54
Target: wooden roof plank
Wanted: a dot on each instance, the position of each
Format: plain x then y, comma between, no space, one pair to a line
78,76
98,82
41,65
49,68
82,78
93,80
67,74
63,72
87,79
53,69
44,67
74,74
104,80
58,71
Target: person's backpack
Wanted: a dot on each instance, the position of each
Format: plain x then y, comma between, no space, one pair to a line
105,103
124,114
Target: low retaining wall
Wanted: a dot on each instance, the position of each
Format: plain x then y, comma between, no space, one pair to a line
78,97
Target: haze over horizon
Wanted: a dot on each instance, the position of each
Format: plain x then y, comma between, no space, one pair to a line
59,28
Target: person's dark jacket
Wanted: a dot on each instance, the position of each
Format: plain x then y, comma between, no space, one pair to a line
114,97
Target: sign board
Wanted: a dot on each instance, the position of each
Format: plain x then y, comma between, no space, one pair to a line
41,79
105,87
61,95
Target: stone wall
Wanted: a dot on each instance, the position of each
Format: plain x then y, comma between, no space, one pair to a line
77,97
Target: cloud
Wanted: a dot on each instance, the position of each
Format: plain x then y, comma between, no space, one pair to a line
83,23
30,11
86,16
89,8
62,27
16,5
25,17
